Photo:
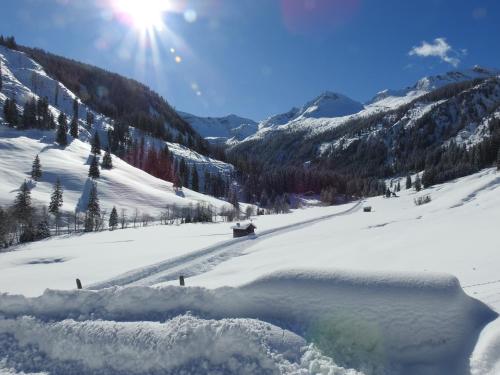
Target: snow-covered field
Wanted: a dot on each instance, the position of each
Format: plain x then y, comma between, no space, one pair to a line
404,289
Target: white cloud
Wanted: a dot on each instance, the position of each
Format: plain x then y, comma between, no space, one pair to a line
438,48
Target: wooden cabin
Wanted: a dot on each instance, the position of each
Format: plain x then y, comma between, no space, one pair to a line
242,230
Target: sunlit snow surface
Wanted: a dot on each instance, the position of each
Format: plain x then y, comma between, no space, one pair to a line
369,291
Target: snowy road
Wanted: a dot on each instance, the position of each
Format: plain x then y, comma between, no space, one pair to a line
200,261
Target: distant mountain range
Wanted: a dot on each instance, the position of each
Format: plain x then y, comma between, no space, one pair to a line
329,105
221,129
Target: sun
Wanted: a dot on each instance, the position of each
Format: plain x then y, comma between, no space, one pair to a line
142,14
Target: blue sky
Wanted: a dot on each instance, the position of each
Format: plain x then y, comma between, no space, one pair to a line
256,58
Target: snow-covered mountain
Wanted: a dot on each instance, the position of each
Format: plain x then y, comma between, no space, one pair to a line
124,185
328,104
221,129
457,106
393,98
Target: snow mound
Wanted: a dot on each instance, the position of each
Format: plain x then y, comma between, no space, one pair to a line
485,359
377,323
182,345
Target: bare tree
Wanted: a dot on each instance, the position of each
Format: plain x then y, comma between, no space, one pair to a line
123,218
136,216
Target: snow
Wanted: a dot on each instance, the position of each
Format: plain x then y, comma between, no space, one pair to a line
485,360
390,99
124,186
372,322
321,115
325,290
372,292
131,255
219,129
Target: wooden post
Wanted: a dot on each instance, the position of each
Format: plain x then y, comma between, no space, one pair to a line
181,280
78,284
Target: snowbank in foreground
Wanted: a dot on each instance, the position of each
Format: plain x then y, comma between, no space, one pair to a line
376,323
485,359
183,345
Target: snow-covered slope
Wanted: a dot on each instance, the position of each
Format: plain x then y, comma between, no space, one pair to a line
387,99
328,104
124,186
221,129
366,289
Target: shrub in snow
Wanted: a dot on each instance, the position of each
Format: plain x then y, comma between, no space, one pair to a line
422,200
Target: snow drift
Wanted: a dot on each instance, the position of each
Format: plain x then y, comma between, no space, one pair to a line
373,322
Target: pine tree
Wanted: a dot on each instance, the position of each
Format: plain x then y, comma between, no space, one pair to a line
408,182
195,183
1,79
56,198
42,230
62,129
498,160
183,172
233,199
418,183
96,144
11,113
73,127
398,186
36,169
177,182
74,121
56,95
388,193
4,231
56,202
113,219
94,168
29,114
107,160
93,210
90,119
23,211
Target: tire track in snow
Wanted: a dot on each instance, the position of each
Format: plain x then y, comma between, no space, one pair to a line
200,261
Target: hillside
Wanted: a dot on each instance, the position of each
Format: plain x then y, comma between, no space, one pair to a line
117,97
124,186
396,132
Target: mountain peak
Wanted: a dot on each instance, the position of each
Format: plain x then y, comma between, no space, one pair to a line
429,83
330,104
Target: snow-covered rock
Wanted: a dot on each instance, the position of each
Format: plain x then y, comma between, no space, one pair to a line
221,129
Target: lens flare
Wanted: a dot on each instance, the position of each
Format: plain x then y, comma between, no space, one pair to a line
143,15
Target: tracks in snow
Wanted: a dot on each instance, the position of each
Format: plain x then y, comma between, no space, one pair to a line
200,261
